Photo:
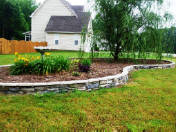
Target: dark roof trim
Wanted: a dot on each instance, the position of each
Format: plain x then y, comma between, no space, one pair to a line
63,32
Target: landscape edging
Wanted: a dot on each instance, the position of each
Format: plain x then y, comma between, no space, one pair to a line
83,85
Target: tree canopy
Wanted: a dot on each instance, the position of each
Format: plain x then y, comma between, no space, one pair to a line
15,17
124,26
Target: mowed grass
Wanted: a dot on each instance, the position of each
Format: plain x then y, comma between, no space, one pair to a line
9,59
146,103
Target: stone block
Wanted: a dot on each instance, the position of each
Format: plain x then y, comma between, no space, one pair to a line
41,88
14,89
109,81
28,90
20,92
103,86
53,89
82,88
103,82
3,88
92,85
77,85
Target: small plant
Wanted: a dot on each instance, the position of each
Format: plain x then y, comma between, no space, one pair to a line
18,68
76,74
36,65
74,64
84,65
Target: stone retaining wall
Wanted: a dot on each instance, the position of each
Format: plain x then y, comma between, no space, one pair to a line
83,85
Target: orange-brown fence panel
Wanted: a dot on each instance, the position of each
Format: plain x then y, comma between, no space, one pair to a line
0,47
12,46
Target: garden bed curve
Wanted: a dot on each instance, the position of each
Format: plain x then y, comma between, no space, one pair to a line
83,85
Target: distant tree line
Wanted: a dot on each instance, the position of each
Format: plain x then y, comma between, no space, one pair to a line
170,39
15,18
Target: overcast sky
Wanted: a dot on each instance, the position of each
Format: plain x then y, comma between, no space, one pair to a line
74,2
168,5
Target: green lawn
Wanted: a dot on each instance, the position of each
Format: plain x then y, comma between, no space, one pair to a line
147,102
9,59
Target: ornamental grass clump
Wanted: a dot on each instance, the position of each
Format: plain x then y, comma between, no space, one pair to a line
84,65
38,65
75,65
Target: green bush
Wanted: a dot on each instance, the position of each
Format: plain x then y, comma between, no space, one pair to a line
76,74
18,68
49,64
86,62
84,65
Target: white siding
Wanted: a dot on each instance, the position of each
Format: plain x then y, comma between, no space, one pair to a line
41,18
66,41
87,45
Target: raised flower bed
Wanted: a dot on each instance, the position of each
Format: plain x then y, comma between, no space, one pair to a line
103,73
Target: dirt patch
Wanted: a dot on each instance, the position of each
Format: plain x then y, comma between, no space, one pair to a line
99,68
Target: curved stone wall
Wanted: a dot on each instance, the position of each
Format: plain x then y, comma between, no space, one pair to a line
83,85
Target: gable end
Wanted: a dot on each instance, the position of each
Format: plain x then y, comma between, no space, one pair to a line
67,5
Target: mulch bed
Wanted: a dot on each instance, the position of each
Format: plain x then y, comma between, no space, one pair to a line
98,69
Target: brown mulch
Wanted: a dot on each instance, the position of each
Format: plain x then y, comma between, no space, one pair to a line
98,69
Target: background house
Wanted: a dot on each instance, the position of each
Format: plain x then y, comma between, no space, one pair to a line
60,24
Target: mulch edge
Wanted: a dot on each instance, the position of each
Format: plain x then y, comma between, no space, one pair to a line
126,70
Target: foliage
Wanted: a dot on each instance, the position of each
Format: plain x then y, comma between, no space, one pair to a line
15,18
84,65
86,62
19,68
38,65
119,26
74,64
170,40
27,8
76,74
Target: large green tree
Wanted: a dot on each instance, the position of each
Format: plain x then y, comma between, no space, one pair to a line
120,23
27,8
15,18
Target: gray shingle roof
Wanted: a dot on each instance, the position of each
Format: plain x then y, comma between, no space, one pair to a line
78,8
69,23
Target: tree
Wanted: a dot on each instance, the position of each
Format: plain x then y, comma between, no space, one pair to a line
170,39
27,8
120,25
14,18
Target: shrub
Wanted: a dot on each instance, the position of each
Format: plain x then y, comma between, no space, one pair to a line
76,74
84,65
36,65
18,68
75,64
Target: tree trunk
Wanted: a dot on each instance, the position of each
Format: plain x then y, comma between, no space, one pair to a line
3,32
116,55
116,52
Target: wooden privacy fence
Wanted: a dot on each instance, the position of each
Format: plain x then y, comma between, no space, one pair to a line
12,46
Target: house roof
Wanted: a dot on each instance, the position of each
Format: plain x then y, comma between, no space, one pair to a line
67,4
78,8
69,24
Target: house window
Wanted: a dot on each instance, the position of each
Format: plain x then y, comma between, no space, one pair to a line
56,42
76,42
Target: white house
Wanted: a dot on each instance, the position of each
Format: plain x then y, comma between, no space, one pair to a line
60,24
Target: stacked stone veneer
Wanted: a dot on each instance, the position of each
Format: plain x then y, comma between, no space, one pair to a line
84,85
